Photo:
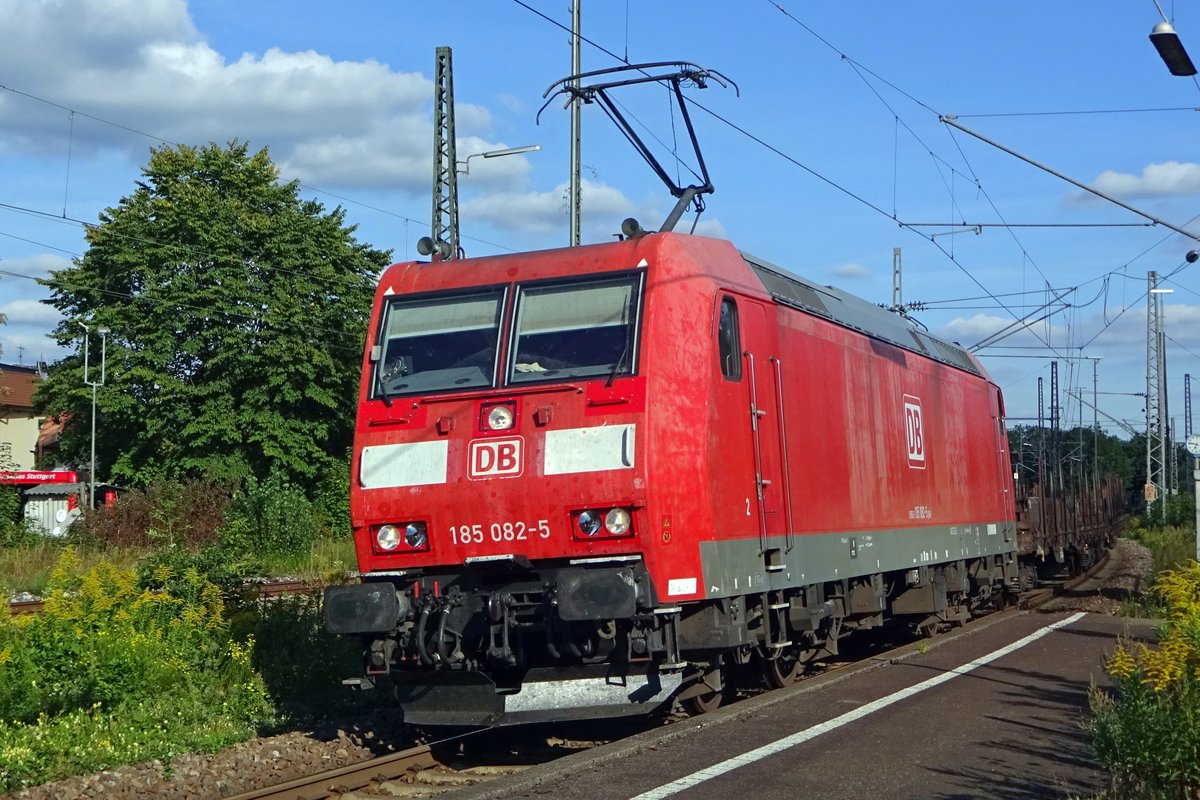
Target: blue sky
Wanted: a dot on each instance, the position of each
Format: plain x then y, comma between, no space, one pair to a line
830,155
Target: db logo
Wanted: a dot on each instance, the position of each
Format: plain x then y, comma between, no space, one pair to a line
493,458
914,432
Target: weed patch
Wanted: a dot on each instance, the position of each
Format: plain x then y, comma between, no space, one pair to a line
1146,731
112,672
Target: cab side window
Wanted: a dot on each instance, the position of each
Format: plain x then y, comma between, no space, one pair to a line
728,342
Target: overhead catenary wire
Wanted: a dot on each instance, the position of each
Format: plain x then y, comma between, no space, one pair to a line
1080,112
950,256
859,69
853,63
950,120
834,184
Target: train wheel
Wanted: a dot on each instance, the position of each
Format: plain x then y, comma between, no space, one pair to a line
783,668
708,701
703,704
1027,577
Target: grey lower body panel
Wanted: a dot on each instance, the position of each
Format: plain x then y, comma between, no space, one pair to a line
471,699
739,566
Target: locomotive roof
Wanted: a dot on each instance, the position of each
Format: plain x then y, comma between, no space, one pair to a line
857,314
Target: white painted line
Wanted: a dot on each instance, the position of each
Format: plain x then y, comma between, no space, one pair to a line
746,759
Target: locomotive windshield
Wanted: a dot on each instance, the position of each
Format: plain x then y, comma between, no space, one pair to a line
440,344
558,331
575,330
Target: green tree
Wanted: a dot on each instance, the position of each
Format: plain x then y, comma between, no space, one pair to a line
237,313
1081,448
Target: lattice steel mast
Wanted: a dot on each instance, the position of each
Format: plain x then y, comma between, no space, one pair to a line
1156,430
444,229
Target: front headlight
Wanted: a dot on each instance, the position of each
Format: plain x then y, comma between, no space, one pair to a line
589,523
416,535
388,537
500,418
617,521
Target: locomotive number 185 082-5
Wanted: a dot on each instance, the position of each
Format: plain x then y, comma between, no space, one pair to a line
499,532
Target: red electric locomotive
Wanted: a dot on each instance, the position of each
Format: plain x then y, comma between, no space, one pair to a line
592,480
587,480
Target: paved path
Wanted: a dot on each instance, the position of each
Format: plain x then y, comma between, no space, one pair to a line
996,712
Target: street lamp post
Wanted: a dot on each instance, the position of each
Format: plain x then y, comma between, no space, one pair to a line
103,331
464,167
434,245
1170,48
1193,447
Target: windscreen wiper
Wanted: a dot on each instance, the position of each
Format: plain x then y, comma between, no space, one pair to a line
620,361
379,386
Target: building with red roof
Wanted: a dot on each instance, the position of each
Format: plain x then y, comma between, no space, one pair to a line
19,425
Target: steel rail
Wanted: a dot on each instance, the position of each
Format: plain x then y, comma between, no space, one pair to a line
19,607
347,779
261,589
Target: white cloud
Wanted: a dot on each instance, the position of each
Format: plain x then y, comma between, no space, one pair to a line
545,212
39,265
852,271
705,227
969,330
1168,179
30,312
144,66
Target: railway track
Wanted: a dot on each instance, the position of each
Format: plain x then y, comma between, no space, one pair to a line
441,767
452,766
337,782
257,588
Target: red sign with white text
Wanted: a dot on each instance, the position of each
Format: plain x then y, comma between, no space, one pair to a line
55,476
495,458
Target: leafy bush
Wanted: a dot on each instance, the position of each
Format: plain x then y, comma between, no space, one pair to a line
331,499
270,518
1147,731
1171,546
112,673
188,513
14,530
222,531
170,568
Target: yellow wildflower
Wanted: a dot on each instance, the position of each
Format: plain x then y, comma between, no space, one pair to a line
1121,664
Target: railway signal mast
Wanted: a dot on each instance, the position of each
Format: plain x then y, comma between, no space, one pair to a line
1193,447
442,244
576,188
1156,429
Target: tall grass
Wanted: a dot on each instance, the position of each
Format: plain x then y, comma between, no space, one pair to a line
143,653
1146,731
224,531
116,672
111,673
